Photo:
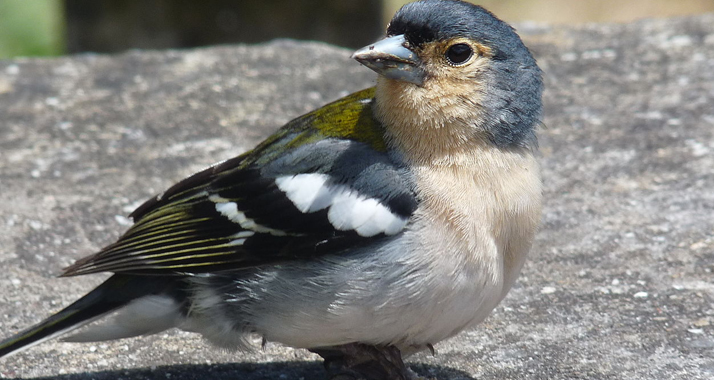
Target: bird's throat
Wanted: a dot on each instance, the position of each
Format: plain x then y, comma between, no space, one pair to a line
428,129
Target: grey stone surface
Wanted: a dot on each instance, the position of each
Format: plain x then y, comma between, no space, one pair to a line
619,284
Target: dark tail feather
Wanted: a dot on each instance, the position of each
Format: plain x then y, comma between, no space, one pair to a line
114,293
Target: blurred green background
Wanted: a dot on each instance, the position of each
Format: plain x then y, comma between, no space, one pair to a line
55,27
31,28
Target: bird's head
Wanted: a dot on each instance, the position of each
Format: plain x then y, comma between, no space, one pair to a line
454,70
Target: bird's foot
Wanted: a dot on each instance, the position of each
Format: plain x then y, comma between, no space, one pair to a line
356,361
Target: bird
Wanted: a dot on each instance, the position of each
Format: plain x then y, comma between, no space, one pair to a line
367,230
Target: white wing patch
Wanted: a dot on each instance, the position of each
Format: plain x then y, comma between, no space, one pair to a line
230,210
348,209
307,191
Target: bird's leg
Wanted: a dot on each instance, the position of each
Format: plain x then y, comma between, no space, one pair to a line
356,361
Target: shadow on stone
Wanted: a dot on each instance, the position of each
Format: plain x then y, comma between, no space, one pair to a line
286,370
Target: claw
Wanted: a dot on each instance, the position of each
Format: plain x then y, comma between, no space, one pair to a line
358,361
431,349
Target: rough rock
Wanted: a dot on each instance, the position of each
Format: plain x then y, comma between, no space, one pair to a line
619,284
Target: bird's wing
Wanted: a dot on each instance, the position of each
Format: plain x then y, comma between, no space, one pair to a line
320,185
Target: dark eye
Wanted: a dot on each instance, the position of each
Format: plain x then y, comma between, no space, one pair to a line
459,53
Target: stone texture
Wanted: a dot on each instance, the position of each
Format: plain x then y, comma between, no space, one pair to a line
619,284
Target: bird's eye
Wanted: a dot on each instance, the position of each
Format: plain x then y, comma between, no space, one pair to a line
459,54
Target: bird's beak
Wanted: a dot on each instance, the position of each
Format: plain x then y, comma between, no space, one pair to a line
391,59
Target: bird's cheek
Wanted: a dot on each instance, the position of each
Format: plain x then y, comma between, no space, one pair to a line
438,88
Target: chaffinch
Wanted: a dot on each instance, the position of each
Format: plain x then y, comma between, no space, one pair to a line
375,226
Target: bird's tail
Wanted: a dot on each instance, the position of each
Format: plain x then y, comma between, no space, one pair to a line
116,292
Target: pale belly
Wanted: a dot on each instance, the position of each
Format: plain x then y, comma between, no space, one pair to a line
396,295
